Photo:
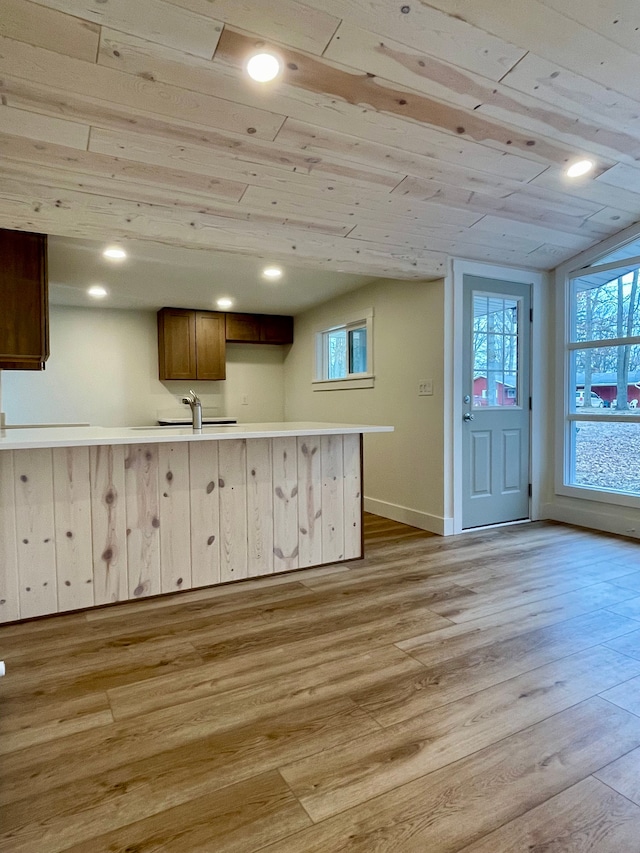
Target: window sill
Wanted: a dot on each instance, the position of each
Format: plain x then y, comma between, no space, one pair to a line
591,493
348,384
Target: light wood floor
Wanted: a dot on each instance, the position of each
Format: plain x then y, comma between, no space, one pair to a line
479,694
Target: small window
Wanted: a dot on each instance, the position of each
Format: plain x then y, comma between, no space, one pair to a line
343,354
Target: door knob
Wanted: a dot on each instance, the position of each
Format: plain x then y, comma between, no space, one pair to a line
467,416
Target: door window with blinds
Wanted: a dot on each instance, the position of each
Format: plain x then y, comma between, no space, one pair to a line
495,348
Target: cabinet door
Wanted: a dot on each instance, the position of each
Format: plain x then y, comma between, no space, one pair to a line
24,334
210,345
276,329
177,343
243,328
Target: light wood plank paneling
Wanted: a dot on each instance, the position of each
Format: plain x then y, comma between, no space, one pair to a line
149,19
422,25
351,450
287,21
35,530
233,509
310,500
108,524
553,84
107,175
332,498
143,519
260,507
74,554
358,48
553,36
616,20
473,113
400,210
286,546
205,513
218,161
46,128
385,96
60,212
137,95
354,141
9,598
410,157
66,34
175,516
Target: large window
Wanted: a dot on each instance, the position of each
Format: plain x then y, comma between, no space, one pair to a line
603,369
344,354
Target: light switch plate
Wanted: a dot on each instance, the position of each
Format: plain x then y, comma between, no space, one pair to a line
425,388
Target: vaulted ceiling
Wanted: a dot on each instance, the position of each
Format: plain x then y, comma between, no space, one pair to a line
399,133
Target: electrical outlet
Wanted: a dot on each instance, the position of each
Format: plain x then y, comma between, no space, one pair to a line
425,388
245,400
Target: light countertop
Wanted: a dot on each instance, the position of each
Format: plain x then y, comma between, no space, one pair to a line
23,439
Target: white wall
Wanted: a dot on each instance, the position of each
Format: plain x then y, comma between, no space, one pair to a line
404,471
103,369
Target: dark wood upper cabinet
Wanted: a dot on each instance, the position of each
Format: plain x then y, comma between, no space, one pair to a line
276,329
259,329
24,303
210,345
243,328
191,344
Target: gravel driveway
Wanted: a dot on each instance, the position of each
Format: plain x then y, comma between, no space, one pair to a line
608,455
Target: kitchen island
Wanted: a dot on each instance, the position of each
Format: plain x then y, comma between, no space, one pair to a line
91,516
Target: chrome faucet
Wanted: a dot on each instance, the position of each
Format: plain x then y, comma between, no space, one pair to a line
196,409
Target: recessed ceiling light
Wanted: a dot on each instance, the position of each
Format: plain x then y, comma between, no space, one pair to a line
97,291
114,253
224,302
272,273
581,167
263,67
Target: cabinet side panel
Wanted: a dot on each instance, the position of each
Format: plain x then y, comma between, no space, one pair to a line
351,455
74,558
285,504
175,517
233,509
9,601
35,530
260,506
205,513
108,523
309,500
332,499
143,520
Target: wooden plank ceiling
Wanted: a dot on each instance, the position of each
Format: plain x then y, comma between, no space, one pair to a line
399,134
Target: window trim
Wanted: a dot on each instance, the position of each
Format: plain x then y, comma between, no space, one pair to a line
351,381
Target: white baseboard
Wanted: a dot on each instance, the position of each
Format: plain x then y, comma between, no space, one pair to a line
422,520
620,522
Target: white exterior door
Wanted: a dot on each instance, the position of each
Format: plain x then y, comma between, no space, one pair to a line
496,389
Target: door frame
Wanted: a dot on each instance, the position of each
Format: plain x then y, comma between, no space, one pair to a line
541,361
